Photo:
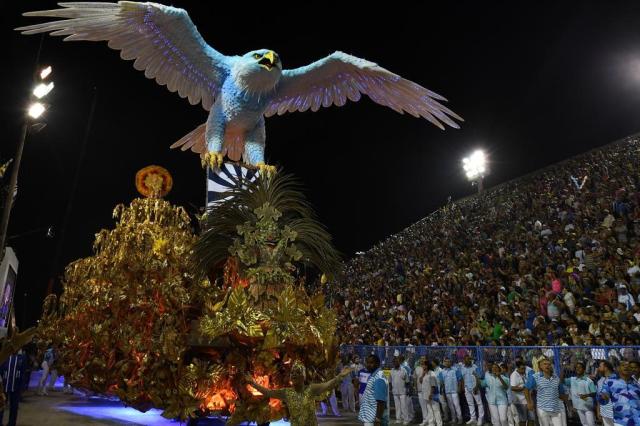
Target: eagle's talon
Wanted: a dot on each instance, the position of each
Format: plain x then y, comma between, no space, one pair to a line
213,160
266,169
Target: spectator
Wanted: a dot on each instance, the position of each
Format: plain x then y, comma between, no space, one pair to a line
470,374
363,378
605,409
497,386
517,382
442,399
582,391
624,394
625,298
399,380
451,387
374,410
346,389
547,386
409,400
429,392
418,374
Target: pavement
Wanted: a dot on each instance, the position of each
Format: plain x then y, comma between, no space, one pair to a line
59,409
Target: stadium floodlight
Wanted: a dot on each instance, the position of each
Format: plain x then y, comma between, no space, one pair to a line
30,124
36,109
45,72
42,90
475,167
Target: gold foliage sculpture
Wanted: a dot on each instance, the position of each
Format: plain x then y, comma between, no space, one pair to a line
163,318
122,320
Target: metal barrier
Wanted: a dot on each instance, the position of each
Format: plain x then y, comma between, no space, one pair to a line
563,357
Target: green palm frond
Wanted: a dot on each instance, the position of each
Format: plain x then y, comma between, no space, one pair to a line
281,191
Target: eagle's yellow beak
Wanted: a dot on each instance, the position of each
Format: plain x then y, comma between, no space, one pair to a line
268,60
271,56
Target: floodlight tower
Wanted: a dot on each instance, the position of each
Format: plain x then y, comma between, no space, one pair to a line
475,167
30,122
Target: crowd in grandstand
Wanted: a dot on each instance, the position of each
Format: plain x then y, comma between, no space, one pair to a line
549,259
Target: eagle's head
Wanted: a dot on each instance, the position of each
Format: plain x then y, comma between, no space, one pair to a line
258,70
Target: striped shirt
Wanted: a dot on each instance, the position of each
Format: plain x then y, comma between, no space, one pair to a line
548,392
376,390
11,373
606,410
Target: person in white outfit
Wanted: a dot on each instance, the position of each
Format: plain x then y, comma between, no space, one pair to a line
517,381
512,414
564,398
429,394
409,399
470,378
399,380
347,391
356,366
442,399
418,374
497,386
451,380
582,391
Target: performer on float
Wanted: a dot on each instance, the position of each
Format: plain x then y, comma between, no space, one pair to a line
301,399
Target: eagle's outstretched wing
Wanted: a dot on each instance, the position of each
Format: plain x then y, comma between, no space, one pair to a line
162,40
340,76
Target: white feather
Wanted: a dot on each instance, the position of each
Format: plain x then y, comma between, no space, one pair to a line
144,32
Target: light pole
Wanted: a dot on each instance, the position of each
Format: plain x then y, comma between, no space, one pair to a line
475,167
35,111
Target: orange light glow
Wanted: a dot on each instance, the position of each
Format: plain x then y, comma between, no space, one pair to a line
220,400
223,399
262,381
216,402
275,404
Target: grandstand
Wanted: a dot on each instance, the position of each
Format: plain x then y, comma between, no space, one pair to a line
551,258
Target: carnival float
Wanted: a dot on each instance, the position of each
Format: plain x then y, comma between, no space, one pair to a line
173,312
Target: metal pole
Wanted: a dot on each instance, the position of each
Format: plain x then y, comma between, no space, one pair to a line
8,202
72,194
480,186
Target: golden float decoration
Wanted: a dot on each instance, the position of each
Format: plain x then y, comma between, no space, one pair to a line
139,320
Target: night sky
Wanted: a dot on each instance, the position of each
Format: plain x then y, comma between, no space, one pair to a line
535,83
